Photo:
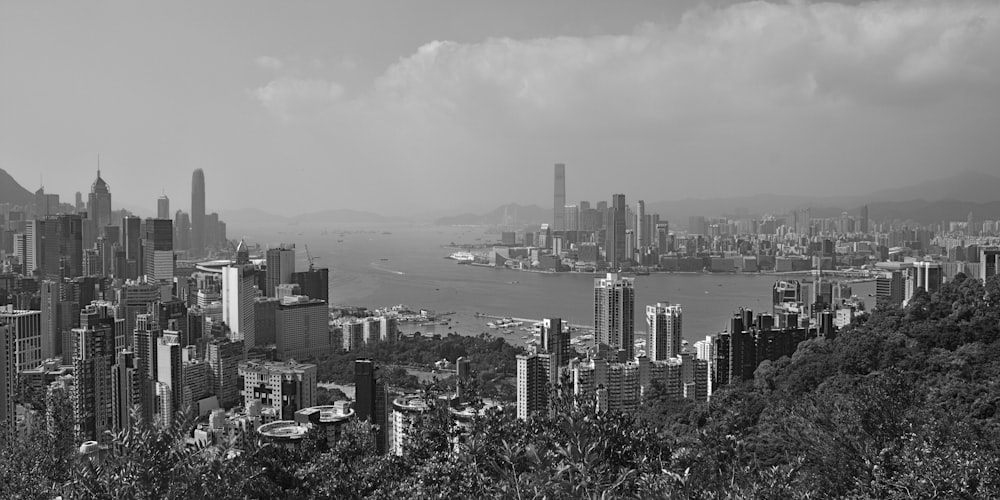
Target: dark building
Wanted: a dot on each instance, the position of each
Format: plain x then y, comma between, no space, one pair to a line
614,250
61,247
198,212
315,283
132,244
182,231
372,401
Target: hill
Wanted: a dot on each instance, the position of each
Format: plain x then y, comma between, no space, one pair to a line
520,215
12,192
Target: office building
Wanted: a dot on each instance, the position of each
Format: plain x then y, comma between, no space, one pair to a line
131,268
534,372
890,287
26,328
169,376
559,198
60,247
182,231
239,292
641,228
163,207
314,283
283,387
158,250
617,216
663,323
406,412
223,357
198,212
372,401
134,298
614,314
301,327
280,267
29,250
99,204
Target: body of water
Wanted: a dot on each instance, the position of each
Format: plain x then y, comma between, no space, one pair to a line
384,266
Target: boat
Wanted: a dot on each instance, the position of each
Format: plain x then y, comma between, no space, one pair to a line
383,259
462,257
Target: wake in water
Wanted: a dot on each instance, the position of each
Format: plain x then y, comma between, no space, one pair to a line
376,266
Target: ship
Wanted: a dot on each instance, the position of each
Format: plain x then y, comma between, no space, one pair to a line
462,256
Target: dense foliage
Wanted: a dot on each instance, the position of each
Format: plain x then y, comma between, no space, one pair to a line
901,405
492,360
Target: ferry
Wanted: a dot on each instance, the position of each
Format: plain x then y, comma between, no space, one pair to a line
462,256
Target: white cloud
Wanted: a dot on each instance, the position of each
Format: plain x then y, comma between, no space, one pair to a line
791,82
290,97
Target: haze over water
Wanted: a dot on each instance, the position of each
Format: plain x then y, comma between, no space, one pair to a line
416,273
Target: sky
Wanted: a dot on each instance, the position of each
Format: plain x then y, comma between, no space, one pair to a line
405,108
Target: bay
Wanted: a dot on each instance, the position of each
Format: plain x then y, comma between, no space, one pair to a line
378,266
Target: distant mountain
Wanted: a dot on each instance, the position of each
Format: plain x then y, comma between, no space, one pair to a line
931,212
969,186
346,216
12,192
247,219
517,214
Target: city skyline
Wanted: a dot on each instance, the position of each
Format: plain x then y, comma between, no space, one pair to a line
599,88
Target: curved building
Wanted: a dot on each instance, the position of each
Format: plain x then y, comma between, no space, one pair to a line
198,212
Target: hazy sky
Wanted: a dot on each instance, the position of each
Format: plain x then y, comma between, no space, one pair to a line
412,106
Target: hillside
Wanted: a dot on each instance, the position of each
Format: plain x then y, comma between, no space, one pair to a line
12,192
520,215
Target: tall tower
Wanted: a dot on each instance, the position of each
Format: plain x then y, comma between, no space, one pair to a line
864,219
664,326
158,250
559,199
615,248
8,376
614,313
238,295
163,207
556,342
641,231
99,204
198,212
280,266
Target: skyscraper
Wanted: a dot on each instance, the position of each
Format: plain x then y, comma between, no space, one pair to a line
26,327
641,230
616,221
556,342
533,379
99,204
198,212
372,401
315,283
280,266
158,250
663,323
93,409
864,219
614,313
8,377
182,231
132,244
163,207
559,199
239,291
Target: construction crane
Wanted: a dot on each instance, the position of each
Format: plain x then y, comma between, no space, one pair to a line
310,258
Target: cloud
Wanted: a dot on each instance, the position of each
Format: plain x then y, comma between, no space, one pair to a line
269,63
292,97
763,85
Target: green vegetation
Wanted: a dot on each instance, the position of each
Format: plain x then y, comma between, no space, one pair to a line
901,405
492,361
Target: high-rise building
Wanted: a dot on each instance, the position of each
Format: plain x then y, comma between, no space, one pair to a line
559,198
163,207
372,401
614,313
284,387
132,244
280,267
641,230
49,309
60,247
989,262
663,323
223,357
182,231
169,373
93,409
29,253
26,327
239,291
134,298
614,249
315,283
301,327
144,345
864,220
158,250
555,342
99,204
125,389
534,373
8,376
198,212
